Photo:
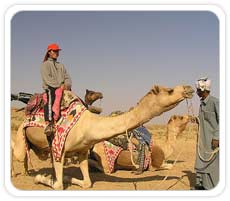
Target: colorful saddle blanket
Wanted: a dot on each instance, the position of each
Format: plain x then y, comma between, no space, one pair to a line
112,152
69,117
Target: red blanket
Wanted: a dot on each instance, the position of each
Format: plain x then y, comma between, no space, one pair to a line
111,151
68,119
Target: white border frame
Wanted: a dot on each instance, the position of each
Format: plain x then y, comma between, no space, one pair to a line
17,8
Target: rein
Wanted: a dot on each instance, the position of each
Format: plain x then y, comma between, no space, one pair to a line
131,149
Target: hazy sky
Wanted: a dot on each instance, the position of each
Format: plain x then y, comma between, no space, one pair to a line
120,53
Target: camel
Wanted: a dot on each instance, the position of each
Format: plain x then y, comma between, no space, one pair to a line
159,152
92,128
89,98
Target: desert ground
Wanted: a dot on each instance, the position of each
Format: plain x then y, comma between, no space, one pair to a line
180,177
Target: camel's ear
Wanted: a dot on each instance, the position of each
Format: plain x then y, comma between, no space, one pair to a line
170,120
155,89
173,117
87,90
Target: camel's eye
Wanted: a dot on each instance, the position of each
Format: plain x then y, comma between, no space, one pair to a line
170,91
181,117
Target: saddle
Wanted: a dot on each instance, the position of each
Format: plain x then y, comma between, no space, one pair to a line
141,134
142,139
35,103
62,101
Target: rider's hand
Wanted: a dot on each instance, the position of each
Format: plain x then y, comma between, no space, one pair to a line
215,143
62,86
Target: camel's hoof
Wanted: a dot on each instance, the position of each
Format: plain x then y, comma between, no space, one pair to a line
37,179
13,174
167,166
86,186
25,173
57,186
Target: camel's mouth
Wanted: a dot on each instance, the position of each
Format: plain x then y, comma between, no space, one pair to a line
97,103
98,100
193,119
100,96
188,93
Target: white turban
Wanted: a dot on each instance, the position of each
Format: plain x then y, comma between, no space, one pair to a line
203,84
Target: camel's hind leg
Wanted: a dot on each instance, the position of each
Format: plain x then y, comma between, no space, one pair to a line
86,182
18,150
95,164
13,174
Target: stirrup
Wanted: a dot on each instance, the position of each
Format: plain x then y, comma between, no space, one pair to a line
50,129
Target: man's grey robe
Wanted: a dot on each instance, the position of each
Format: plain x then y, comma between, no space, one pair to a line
208,171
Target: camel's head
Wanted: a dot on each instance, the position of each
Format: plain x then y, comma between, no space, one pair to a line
92,96
187,91
177,124
168,98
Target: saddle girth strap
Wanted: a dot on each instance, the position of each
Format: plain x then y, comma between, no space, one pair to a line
141,158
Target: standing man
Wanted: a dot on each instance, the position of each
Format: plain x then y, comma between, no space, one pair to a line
54,76
207,156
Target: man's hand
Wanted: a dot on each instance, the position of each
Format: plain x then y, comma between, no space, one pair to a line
215,143
194,120
65,87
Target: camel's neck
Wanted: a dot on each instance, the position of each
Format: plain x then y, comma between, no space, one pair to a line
170,142
171,135
108,127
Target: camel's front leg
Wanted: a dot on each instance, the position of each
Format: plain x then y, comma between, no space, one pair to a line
86,182
58,167
48,180
25,165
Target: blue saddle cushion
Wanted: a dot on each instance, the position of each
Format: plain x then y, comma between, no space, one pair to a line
142,134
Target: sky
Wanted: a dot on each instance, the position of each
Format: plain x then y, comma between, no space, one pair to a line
119,53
